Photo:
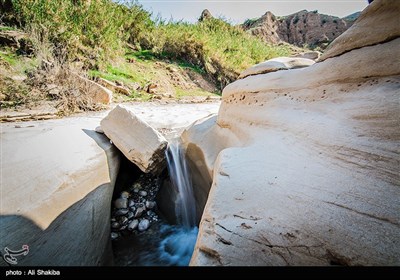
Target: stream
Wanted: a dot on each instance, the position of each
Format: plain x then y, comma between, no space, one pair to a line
163,243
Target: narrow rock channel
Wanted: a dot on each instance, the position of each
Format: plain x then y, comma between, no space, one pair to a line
153,211
143,233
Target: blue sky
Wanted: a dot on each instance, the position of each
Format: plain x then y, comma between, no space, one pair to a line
239,10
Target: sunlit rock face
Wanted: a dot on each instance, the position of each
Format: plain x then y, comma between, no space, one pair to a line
57,181
304,163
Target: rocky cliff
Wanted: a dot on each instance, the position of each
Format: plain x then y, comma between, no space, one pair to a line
302,28
304,163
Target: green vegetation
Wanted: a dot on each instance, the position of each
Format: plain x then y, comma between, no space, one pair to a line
9,57
118,41
180,93
215,46
250,21
88,30
6,28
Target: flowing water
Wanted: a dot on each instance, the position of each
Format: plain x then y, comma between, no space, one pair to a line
177,247
185,207
165,244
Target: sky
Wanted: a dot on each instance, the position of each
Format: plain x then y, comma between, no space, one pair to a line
237,11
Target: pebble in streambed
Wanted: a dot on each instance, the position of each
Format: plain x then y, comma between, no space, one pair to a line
133,210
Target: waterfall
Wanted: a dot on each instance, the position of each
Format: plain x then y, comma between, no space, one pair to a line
180,178
176,242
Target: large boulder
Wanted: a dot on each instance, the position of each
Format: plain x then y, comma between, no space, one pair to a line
305,164
57,181
136,139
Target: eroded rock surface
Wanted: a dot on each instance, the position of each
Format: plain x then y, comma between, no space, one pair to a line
305,162
276,64
57,180
136,139
302,28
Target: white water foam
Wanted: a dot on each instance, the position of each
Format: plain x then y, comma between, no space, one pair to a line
181,180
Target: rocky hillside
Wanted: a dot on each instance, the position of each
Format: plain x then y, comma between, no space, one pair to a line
303,164
303,28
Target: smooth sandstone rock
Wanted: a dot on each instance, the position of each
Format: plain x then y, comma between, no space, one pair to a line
276,64
57,181
312,175
201,151
379,22
313,55
138,141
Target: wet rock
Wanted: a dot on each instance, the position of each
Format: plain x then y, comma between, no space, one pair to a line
143,193
143,225
139,211
151,213
115,225
121,203
131,203
133,225
130,215
140,203
125,195
152,216
150,204
123,227
121,212
114,235
123,220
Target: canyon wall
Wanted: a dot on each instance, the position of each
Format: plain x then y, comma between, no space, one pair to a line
304,163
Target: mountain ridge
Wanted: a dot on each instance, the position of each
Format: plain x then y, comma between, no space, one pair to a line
303,28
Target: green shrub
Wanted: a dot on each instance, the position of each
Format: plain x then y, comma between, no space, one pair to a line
220,49
94,30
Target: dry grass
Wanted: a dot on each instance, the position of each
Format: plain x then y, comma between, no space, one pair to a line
52,78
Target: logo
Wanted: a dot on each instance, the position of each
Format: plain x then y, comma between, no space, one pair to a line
10,255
